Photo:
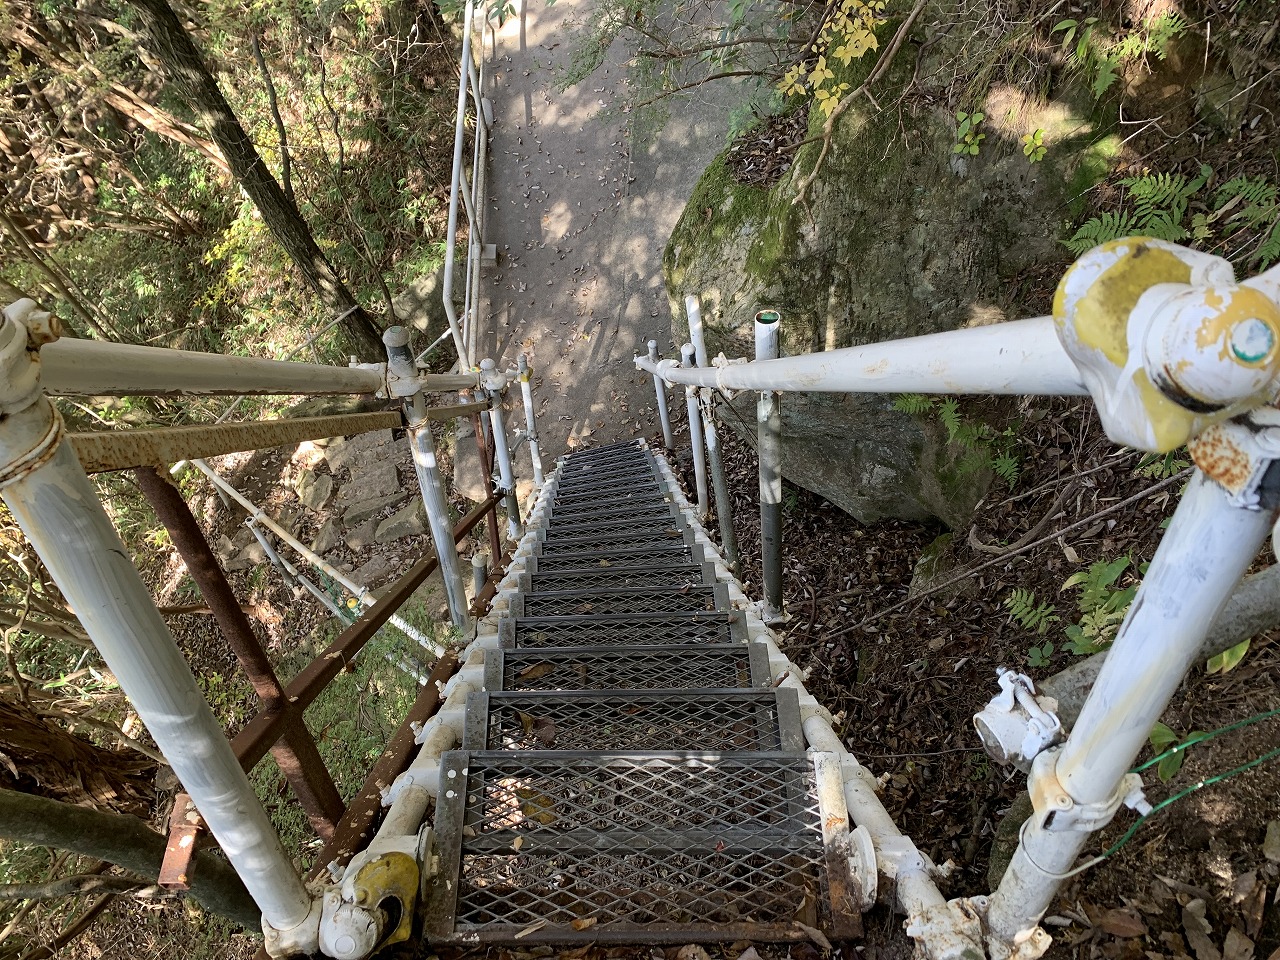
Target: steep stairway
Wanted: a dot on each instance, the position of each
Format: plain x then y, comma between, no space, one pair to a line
631,771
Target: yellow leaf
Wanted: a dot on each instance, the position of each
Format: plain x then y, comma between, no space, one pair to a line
583,923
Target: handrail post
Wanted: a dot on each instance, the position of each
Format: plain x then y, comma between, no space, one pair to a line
769,449
55,504
493,381
724,507
695,435
399,367
530,421
660,388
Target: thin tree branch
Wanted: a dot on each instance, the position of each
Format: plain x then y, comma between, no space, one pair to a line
697,83
78,885
881,67
286,180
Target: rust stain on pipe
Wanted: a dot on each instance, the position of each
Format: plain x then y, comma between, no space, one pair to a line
124,449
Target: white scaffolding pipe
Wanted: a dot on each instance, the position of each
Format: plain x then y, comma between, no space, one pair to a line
1208,547
451,234
1019,357
362,594
660,391
494,383
530,421
54,503
97,368
769,451
696,443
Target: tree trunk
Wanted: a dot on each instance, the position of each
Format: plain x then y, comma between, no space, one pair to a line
38,756
199,90
126,842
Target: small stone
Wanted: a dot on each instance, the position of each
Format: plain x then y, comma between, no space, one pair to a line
409,522
363,535
313,490
1271,845
225,548
337,453
377,479
359,512
327,537
373,572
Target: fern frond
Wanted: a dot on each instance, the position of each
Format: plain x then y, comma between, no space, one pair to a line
1028,613
1269,252
949,414
1109,226
913,403
1007,468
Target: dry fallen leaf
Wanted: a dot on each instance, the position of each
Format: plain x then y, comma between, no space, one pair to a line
814,934
536,670
692,951
517,843
583,923
531,928
1198,929
1123,923
1237,946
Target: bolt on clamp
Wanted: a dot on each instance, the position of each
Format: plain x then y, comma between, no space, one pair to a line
1057,811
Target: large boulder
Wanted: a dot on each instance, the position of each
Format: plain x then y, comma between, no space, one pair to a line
897,236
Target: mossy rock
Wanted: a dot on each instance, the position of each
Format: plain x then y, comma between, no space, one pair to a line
897,236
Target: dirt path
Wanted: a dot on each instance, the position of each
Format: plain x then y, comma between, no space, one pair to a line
582,201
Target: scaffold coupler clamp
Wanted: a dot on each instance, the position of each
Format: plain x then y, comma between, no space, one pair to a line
1056,810
1017,725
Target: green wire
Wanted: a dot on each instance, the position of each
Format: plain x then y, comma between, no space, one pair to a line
1194,787
1201,738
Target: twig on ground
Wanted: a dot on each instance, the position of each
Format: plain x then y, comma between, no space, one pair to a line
1031,534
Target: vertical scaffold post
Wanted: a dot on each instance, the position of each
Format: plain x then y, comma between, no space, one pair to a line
401,370
696,442
530,421
715,463
54,503
493,381
769,448
479,572
1210,544
660,388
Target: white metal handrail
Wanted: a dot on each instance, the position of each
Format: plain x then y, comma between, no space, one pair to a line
470,192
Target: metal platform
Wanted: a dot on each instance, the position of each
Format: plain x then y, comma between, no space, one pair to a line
629,773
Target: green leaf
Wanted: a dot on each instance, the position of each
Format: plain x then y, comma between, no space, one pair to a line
1168,768
1162,737
1228,659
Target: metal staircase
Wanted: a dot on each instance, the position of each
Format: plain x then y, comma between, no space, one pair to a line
631,772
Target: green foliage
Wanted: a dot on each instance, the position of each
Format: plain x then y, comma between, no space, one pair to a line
981,446
1100,57
1157,207
1161,466
1040,656
1247,208
1164,739
1033,147
968,138
1028,613
1228,659
1102,605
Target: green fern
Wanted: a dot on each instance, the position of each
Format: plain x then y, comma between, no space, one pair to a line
1028,613
1096,230
913,403
949,414
1007,468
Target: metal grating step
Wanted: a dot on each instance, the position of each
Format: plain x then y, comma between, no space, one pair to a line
667,847
558,543
665,520
622,629
592,497
647,509
636,720
736,666
608,577
605,450
587,474
621,600
676,552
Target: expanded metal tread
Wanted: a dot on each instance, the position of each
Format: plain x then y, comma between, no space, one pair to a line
633,630
666,847
587,498
734,666
674,552
613,506
590,580
688,596
558,542
636,720
649,511
646,522
615,473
